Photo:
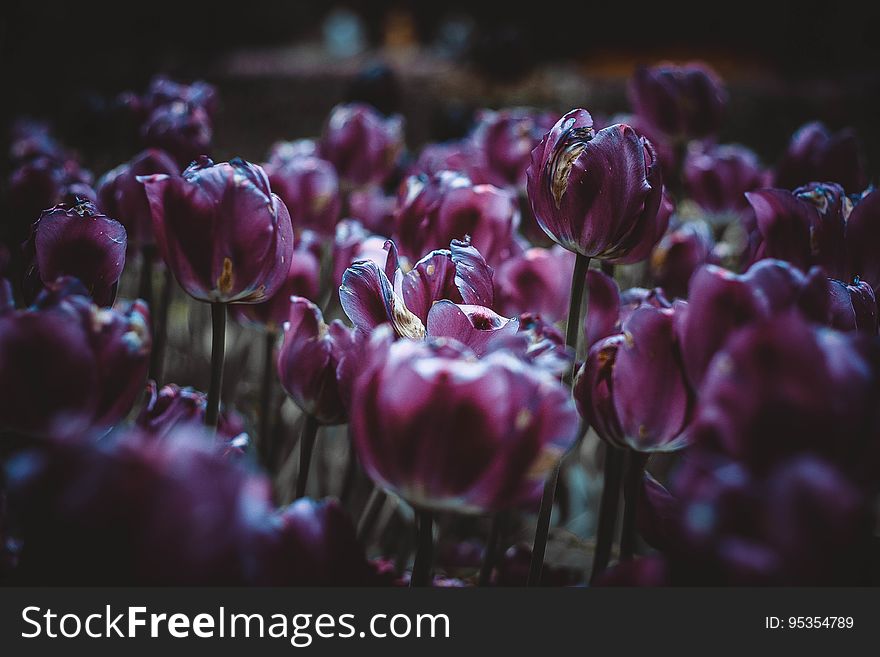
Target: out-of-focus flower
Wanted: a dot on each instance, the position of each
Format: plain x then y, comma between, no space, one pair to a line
122,195
173,408
598,194
302,281
352,243
283,151
433,211
678,255
363,145
374,209
309,188
815,153
446,431
683,101
536,281
76,240
718,177
505,139
165,91
68,366
224,234
446,294
183,130
309,359
863,240
460,157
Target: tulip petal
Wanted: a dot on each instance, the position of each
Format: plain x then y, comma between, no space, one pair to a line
473,326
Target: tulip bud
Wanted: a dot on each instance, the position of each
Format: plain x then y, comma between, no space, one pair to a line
309,188
717,178
69,366
181,129
814,153
678,255
597,194
121,195
362,144
226,237
76,240
164,91
352,243
447,432
373,209
505,139
683,102
309,358
863,240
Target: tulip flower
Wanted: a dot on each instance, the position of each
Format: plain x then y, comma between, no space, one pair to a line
352,243
521,418
536,281
76,240
597,194
226,237
852,307
69,367
679,254
362,144
165,91
182,129
373,209
309,188
434,211
683,102
815,153
308,364
462,157
863,240
718,177
505,139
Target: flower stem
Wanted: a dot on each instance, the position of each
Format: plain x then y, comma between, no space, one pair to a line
499,521
370,514
145,286
542,531
631,486
607,509
421,572
306,446
160,334
266,396
218,349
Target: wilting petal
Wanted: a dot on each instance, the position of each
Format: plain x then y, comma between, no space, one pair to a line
367,297
430,280
473,276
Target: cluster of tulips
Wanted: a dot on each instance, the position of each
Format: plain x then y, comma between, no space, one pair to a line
475,313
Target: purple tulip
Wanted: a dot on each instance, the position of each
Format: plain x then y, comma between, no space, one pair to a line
433,212
814,153
718,177
181,129
448,432
174,408
462,157
373,209
852,307
122,195
863,240
69,366
353,243
597,194
302,281
536,281
76,240
363,145
309,188
505,139
165,91
309,359
282,152
679,254
222,231
31,140
683,102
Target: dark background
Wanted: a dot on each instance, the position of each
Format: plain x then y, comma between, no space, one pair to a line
785,62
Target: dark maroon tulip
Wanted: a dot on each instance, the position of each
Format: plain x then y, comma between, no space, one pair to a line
536,281
781,387
683,102
505,140
122,195
363,145
69,366
720,302
374,209
173,408
679,254
309,188
863,240
462,157
815,153
222,231
718,177
183,130
597,194
283,151
309,358
448,432
852,307
314,544
302,281
31,140
432,212
76,240
165,91
352,243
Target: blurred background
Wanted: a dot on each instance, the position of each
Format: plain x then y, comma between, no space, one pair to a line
280,66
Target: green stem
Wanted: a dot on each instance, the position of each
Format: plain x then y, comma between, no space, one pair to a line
607,509
266,395
499,521
218,349
306,446
421,573
631,486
